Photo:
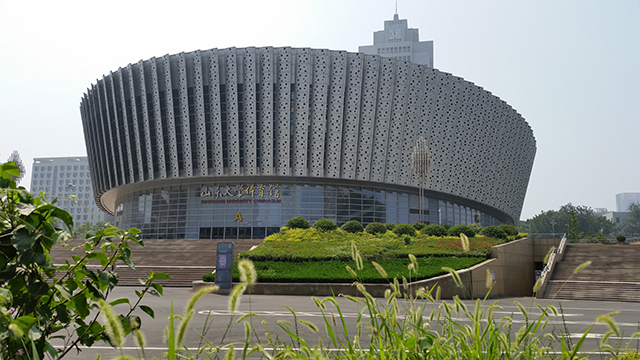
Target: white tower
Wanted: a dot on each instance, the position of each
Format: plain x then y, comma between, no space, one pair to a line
400,42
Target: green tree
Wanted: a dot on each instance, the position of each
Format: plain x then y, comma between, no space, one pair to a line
574,226
631,224
589,224
87,230
39,300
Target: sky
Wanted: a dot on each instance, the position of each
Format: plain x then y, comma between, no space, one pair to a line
571,68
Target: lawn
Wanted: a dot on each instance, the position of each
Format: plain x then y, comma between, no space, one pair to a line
335,271
309,255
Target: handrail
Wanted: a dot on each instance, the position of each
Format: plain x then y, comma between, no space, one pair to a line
546,235
557,252
563,243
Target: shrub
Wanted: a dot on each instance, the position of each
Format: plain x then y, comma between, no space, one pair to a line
475,227
418,225
390,226
298,223
404,229
407,239
324,225
434,230
461,229
375,228
494,232
352,226
621,238
509,229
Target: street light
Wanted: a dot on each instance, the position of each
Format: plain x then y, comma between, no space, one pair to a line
420,162
553,228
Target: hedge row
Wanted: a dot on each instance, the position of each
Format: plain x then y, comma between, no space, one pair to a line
503,231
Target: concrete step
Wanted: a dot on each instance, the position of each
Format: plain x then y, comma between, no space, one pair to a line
613,274
593,290
185,260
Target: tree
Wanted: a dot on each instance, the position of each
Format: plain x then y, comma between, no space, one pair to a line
574,229
631,224
87,230
39,300
586,222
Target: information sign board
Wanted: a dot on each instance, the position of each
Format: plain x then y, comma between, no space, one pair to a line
224,265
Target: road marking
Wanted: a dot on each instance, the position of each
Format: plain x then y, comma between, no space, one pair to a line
287,314
600,336
550,314
276,313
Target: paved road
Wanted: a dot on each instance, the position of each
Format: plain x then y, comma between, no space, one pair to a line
579,315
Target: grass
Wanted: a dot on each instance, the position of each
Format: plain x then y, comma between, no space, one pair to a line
335,271
400,326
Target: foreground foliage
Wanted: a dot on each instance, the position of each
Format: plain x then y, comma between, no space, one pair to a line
40,300
405,324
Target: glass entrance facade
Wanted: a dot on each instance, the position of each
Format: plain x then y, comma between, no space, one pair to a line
256,210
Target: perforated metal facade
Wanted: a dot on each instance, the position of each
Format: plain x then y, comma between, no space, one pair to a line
285,115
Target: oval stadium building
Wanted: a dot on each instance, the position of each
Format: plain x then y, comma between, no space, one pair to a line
232,143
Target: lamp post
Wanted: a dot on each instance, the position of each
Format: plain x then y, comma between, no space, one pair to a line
553,228
420,162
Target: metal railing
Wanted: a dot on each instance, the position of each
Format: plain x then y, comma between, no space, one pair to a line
548,268
558,235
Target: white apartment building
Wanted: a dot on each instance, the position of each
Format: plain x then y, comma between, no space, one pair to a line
623,200
62,177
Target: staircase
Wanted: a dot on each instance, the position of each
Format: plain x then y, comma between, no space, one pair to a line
184,260
612,276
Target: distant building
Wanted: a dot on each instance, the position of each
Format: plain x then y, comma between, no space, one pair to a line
615,216
399,42
63,177
623,201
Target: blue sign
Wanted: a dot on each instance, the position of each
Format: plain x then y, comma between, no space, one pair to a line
224,265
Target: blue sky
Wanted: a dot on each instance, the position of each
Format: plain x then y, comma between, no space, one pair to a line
571,68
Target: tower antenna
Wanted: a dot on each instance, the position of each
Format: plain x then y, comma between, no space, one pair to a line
396,7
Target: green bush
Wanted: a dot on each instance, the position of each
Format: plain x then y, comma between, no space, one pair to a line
390,226
324,225
475,227
375,228
418,225
434,230
352,226
298,223
461,229
407,239
494,232
404,229
509,229
621,238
